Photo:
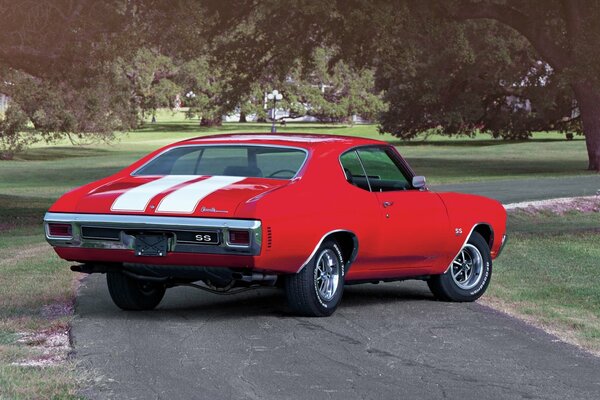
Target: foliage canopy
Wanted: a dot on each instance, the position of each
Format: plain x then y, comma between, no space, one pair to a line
502,66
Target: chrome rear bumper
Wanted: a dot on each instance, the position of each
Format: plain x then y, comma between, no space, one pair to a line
126,226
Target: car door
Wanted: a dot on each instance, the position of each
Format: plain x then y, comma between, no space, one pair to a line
413,223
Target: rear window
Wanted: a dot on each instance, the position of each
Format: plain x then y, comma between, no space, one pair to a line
235,160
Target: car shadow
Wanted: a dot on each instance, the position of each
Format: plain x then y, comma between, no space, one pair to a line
191,304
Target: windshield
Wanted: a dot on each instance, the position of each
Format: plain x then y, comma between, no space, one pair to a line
234,160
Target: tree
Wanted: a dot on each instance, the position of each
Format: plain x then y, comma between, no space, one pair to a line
463,78
253,103
55,66
150,76
205,85
12,127
500,54
42,38
504,66
490,58
565,34
84,68
331,93
93,109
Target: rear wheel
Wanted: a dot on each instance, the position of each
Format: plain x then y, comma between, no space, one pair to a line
317,290
132,294
469,275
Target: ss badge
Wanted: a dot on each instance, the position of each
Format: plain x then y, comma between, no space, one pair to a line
200,237
458,231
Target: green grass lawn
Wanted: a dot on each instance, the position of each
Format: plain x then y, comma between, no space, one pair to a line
548,272
32,277
37,295
441,159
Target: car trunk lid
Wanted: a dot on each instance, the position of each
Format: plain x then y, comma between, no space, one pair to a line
184,195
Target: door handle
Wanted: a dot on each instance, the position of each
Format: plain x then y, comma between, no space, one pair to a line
387,204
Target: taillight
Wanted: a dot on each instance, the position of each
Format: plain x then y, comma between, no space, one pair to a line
239,237
60,230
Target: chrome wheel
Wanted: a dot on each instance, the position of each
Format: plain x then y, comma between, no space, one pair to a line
467,267
327,274
316,290
468,275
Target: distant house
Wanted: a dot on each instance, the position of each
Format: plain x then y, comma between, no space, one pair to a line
3,102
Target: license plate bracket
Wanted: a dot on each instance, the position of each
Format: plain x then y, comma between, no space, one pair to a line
151,245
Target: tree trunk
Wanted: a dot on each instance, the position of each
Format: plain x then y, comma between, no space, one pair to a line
243,117
588,101
210,122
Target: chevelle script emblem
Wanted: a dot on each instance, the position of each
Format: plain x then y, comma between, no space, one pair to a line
213,210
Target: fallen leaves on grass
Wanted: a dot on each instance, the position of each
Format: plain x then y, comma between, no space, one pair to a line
49,347
587,204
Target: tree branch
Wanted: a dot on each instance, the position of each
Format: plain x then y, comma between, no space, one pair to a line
573,19
522,23
160,75
28,59
28,52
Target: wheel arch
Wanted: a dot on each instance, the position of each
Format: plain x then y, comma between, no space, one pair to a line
347,241
484,229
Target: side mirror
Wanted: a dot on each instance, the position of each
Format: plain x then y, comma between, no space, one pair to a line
418,182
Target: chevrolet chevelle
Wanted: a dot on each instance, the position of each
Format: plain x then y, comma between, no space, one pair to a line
308,213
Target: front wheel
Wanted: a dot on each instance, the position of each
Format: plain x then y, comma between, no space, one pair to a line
468,276
132,294
317,290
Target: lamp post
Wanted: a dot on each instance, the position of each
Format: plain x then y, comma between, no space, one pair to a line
190,95
275,96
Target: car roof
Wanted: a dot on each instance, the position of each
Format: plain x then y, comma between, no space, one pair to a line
303,140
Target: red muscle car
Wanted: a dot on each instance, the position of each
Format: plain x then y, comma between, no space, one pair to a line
309,213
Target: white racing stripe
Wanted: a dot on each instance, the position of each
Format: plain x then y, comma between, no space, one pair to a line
186,199
137,199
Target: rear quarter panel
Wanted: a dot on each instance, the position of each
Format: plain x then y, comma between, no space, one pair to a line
296,217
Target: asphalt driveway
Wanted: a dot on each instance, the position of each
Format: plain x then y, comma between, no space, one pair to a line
513,191
387,341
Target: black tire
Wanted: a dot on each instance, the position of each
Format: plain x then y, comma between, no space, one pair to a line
456,284
308,292
132,294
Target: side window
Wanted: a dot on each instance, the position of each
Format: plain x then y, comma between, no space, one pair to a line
353,170
383,173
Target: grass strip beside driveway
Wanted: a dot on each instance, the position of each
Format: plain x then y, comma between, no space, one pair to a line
36,307
548,274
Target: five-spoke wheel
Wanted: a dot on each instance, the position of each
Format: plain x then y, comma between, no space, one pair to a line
467,267
327,274
317,289
468,276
